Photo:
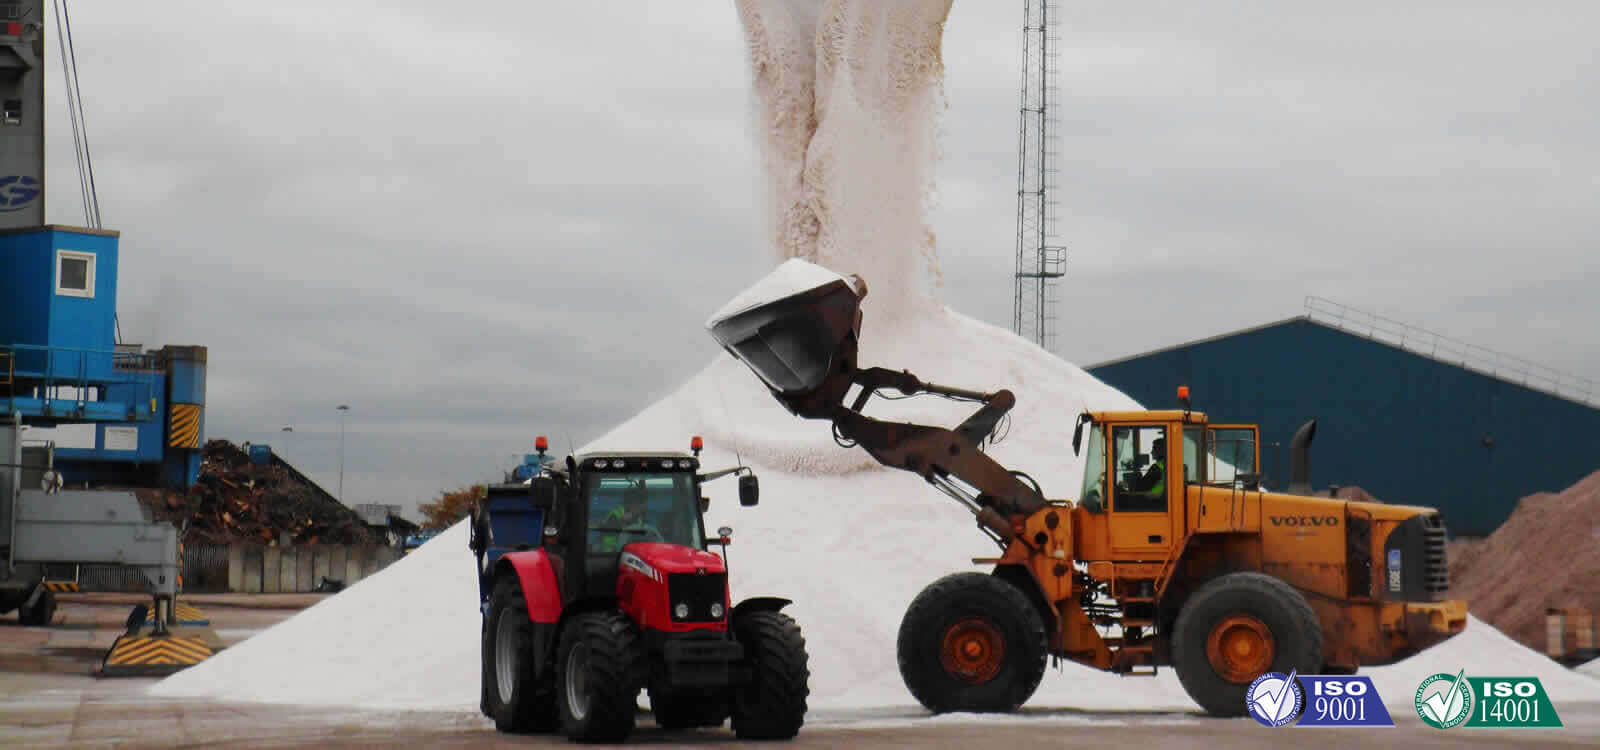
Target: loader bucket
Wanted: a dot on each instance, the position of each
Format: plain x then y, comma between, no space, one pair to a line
794,328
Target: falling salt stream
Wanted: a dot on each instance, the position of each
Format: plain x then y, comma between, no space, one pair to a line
847,94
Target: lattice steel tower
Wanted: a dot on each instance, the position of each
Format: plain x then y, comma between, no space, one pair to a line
1040,259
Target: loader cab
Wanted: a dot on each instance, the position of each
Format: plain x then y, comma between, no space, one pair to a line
1136,468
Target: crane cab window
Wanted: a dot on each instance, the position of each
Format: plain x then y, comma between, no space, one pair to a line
1192,465
74,273
1140,457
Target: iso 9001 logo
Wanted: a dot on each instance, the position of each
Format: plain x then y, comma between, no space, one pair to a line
1444,701
1275,700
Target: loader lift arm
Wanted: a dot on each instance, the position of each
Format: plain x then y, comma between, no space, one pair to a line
802,343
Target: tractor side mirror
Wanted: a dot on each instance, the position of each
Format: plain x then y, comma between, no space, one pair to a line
749,490
705,503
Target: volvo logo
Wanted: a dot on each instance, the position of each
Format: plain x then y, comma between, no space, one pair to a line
16,191
1304,520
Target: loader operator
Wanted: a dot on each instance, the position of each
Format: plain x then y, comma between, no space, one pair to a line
1148,493
626,522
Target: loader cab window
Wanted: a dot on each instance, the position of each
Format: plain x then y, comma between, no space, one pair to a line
1140,456
1230,451
1193,467
1093,494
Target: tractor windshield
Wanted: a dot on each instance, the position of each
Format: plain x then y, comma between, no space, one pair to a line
640,507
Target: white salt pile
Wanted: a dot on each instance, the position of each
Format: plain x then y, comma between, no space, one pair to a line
1591,668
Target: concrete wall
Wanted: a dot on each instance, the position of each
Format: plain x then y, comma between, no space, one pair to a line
254,569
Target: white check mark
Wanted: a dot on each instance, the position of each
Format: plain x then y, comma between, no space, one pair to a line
1442,705
1274,703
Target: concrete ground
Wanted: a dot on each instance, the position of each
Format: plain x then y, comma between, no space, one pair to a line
52,700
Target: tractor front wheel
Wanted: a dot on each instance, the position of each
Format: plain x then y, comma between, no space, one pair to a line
772,706
1237,628
599,672
513,695
972,642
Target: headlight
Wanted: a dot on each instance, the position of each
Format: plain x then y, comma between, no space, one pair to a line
681,611
716,610
601,463
666,463
685,463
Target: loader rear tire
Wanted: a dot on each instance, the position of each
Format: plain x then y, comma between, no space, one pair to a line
600,669
42,611
772,706
1236,628
972,642
513,695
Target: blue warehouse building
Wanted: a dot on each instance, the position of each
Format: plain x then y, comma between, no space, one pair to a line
1409,416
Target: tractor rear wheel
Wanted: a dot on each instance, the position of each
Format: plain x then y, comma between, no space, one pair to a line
600,668
688,709
1236,628
42,611
972,642
513,695
772,706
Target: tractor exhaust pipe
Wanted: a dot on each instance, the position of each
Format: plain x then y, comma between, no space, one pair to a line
1300,459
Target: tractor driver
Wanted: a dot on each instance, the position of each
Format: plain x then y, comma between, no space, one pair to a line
627,523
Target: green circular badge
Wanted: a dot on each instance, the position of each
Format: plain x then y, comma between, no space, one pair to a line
1444,701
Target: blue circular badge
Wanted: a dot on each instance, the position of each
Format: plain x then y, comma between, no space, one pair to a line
1274,699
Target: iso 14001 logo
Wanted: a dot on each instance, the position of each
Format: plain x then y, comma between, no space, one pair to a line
1275,700
1444,701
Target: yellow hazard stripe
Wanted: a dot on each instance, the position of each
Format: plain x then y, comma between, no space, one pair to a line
185,426
61,586
156,650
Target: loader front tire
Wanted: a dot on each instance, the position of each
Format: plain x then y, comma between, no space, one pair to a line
600,669
1237,628
972,642
513,695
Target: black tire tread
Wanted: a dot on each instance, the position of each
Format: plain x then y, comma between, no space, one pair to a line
773,706
993,597
1300,651
533,705
616,664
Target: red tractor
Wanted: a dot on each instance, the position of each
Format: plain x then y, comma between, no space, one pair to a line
596,581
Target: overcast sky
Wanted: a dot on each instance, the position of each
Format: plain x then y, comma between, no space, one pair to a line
474,223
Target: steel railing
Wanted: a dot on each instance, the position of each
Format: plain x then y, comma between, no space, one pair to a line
1445,349
20,359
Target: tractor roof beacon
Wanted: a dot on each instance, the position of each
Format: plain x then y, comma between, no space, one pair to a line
596,581
1173,555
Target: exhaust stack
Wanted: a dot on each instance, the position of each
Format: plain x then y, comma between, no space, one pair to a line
1300,459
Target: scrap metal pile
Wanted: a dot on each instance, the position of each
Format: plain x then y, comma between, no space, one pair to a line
237,501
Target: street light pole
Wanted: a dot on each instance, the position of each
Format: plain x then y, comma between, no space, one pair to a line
343,409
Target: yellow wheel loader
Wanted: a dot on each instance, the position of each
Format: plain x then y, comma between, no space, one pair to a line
1173,555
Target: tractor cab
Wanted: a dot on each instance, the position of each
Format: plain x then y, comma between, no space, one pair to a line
630,500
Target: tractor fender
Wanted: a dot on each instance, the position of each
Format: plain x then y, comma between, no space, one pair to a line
539,589
759,604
